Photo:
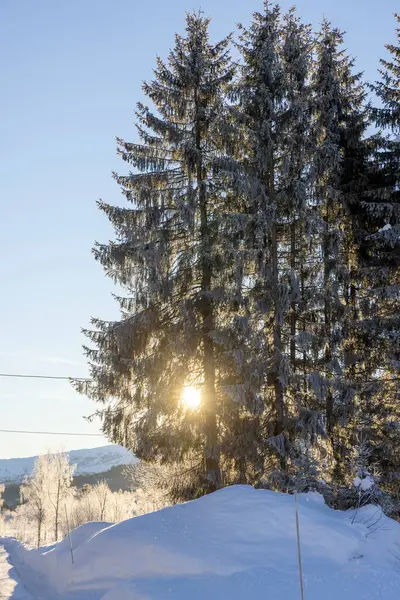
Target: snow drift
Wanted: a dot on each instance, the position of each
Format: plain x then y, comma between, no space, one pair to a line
236,543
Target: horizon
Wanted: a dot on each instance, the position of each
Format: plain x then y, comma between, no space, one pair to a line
60,450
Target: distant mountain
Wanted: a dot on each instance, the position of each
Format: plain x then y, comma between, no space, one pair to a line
87,462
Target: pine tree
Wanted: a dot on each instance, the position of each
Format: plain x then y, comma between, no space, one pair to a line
340,164
328,164
378,220
259,255
356,151
297,226
261,104
274,111
175,254
387,89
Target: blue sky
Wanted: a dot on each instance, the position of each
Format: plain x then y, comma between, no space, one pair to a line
71,75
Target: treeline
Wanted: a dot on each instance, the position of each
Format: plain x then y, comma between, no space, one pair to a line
51,506
259,250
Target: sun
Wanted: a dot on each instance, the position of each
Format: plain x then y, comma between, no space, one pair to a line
191,397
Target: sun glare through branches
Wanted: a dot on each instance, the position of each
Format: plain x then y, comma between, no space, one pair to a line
191,397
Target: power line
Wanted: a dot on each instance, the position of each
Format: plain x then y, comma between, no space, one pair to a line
42,377
65,433
51,433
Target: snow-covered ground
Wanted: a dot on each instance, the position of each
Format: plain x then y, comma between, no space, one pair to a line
236,544
11,587
94,460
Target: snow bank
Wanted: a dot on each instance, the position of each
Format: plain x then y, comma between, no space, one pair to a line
236,543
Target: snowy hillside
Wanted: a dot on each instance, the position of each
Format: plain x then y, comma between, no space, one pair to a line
95,460
236,544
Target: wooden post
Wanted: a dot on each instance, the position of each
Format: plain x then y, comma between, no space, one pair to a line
69,534
299,547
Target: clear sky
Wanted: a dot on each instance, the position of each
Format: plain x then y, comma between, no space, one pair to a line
71,74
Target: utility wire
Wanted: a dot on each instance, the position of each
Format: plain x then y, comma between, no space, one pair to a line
23,376
42,377
50,433
66,433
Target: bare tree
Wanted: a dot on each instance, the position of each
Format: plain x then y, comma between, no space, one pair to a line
59,473
2,488
46,490
152,485
34,494
102,493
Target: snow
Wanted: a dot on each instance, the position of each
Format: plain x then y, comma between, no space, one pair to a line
11,587
236,543
94,460
365,483
385,227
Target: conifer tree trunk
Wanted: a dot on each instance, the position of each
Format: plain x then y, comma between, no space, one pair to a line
211,451
277,331
328,324
211,457
277,337
293,315
304,326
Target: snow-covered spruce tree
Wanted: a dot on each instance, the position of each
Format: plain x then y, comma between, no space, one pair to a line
175,255
298,227
387,89
356,149
327,164
339,164
378,220
274,116
260,108
295,184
